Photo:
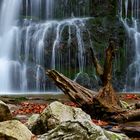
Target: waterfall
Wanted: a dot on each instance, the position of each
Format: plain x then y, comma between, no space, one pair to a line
35,8
131,20
79,25
8,15
49,9
37,38
33,39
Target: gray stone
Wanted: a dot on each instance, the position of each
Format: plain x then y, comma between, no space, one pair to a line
83,79
32,120
5,113
59,121
14,130
76,130
55,114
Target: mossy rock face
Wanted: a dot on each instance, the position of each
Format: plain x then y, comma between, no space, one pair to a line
104,7
102,29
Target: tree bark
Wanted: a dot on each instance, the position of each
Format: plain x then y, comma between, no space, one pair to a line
126,116
102,105
107,96
76,92
90,102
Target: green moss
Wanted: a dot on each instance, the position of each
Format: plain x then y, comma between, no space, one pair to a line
19,99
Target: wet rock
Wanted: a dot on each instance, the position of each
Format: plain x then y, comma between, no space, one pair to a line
14,130
5,113
32,120
83,79
55,114
77,130
90,82
59,121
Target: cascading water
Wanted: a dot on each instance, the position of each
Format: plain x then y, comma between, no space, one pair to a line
35,42
131,20
78,25
49,9
37,37
9,13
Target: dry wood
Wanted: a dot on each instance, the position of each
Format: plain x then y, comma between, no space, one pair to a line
126,116
102,105
99,69
97,107
107,96
76,92
85,98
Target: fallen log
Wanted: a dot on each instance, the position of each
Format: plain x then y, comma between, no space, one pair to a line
129,115
131,129
91,102
87,99
76,92
104,104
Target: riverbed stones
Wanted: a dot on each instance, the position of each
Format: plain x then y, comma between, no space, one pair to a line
32,120
76,130
5,113
55,114
14,130
59,121
83,79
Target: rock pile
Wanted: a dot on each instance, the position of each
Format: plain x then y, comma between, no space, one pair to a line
57,121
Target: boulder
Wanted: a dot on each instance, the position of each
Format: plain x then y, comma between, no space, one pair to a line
77,130
32,120
83,79
14,130
5,113
59,121
55,114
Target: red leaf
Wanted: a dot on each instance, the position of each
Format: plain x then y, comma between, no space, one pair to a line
99,122
29,108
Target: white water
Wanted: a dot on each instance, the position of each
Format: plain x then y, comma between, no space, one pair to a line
37,38
79,25
132,23
35,8
49,9
25,48
9,13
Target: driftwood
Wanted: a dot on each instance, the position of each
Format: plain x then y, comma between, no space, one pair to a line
76,92
87,99
104,104
131,130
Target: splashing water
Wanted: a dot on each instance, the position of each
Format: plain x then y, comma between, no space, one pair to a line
130,18
31,45
9,13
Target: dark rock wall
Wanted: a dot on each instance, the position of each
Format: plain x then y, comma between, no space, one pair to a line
106,24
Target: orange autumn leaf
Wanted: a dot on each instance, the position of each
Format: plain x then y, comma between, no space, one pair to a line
29,108
99,122
131,96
